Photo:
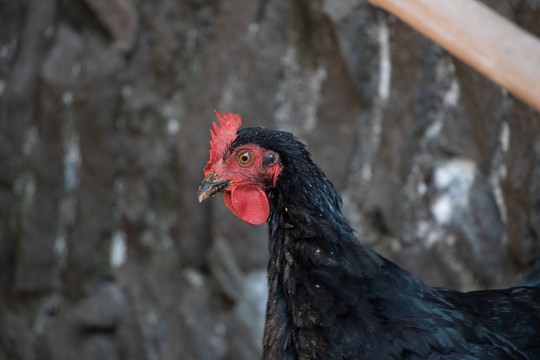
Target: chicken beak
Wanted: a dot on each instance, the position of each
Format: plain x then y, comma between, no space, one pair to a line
210,188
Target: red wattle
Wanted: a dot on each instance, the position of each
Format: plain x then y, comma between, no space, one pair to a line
250,204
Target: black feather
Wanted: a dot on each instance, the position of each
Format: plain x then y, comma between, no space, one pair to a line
332,298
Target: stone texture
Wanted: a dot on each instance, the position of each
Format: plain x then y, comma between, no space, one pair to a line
105,107
102,309
119,18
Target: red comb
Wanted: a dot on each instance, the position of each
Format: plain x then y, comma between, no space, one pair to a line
223,136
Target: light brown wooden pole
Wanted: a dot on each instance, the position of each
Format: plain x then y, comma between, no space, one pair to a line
472,32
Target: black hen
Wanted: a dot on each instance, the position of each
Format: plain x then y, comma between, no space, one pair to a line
330,297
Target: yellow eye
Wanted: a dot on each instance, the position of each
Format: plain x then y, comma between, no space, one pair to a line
244,158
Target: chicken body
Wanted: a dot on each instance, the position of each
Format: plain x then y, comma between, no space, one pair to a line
330,297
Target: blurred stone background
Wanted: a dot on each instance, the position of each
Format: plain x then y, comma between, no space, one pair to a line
105,108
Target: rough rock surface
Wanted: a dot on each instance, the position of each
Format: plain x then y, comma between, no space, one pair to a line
104,115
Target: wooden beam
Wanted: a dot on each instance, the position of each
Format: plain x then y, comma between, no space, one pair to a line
474,33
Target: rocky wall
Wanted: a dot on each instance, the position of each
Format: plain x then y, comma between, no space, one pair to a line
105,107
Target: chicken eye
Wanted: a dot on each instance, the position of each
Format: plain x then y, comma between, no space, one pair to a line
244,158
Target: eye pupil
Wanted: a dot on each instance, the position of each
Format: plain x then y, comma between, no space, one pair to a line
244,158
